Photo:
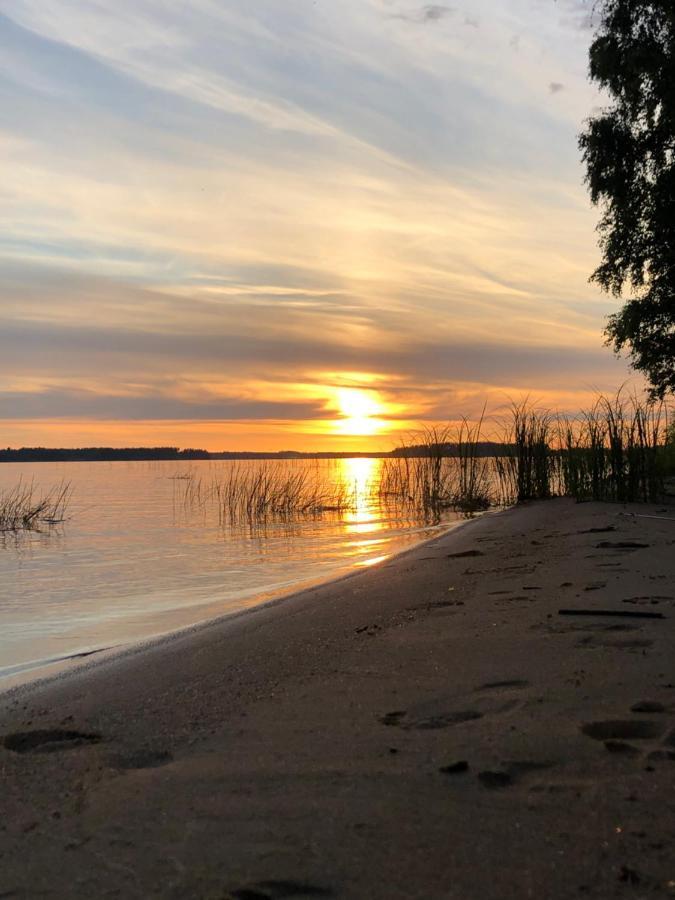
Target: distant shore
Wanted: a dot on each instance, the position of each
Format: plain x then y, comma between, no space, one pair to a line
152,454
429,728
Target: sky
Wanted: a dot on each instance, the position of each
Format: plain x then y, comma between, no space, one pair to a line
292,225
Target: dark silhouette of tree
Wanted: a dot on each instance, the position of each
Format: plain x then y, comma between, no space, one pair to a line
629,149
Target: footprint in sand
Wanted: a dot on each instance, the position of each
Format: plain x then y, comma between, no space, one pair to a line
661,756
511,773
593,642
402,719
455,768
142,759
648,706
615,732
48,740
623,729
621,748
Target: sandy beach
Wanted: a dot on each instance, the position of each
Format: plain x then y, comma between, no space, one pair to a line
432,727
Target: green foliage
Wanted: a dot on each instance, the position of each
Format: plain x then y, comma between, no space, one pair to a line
629,151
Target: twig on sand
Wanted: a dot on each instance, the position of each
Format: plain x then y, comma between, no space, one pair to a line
624,613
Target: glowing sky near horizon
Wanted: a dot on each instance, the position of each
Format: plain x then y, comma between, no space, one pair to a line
299,224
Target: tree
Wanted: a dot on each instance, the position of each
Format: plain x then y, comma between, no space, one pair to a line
629,152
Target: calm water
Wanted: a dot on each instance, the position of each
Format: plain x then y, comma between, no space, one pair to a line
136,560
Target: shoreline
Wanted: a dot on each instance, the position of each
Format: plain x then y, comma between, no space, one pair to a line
43,673
429,727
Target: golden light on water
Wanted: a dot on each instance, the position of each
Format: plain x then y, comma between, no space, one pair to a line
365,519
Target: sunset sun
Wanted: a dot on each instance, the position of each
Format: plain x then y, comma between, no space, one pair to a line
361,412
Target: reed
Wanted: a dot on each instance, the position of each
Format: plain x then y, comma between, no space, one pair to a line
614,451
475,478
440,468
267,491
22,508
526,463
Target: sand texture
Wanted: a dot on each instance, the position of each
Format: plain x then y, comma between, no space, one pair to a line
429,728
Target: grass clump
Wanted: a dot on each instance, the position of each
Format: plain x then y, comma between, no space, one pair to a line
267,492
22,508
440,468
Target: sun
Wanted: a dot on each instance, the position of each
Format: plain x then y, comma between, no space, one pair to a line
360,410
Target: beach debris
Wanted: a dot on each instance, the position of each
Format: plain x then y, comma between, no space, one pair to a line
277,890
596,586
513,684
455,768
464,554
604,530
48,740
624,613
621,545
370,630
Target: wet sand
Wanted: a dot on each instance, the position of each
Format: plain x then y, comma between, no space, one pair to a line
428,728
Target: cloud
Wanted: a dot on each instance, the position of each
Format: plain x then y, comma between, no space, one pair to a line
151,406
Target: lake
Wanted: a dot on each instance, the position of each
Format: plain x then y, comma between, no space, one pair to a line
147,549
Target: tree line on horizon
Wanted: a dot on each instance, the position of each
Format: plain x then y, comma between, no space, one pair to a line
158,454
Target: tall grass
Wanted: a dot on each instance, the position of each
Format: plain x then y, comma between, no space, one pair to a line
619,450
443,469
526,467
614,451
267,491
22,508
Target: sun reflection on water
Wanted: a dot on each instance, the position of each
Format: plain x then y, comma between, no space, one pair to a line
360,475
